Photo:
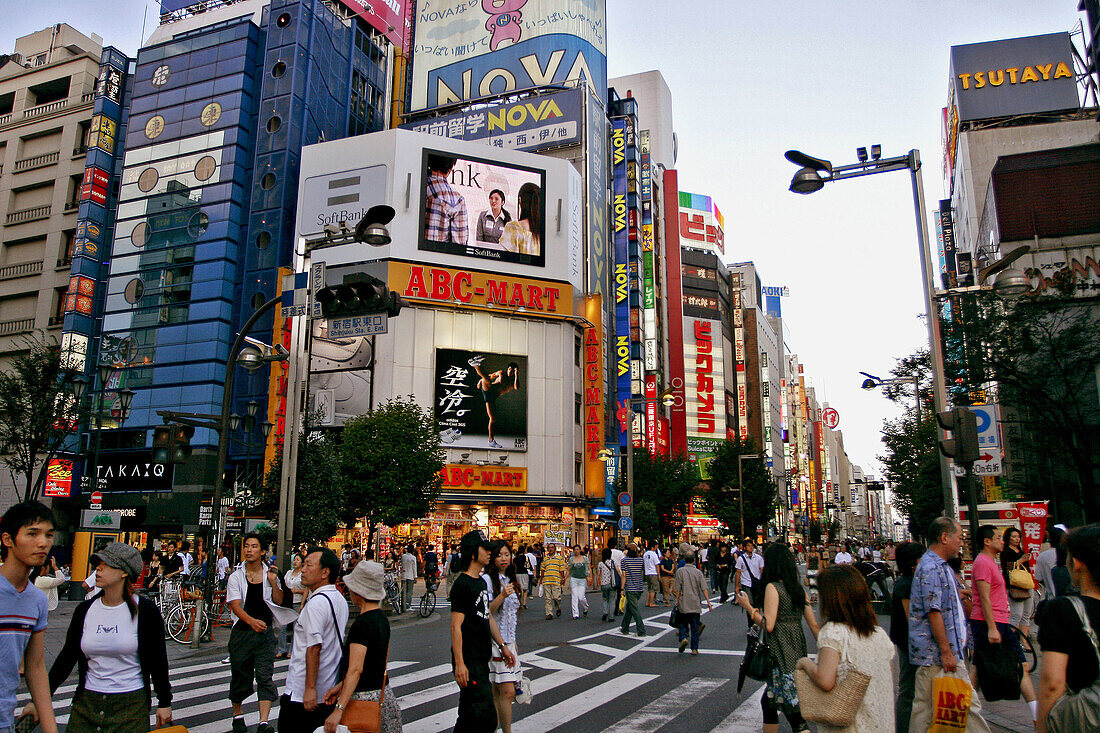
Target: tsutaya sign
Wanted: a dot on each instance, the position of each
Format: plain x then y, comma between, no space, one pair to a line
474,289
1014,76
465,477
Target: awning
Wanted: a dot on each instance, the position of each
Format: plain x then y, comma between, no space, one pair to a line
511,499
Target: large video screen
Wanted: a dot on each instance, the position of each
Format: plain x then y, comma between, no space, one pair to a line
482,208
481,400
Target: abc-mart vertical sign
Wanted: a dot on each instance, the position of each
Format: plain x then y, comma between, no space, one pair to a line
467,49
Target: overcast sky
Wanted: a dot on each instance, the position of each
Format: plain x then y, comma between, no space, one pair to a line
749,81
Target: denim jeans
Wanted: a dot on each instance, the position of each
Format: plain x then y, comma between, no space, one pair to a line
608,600
632,612
689,623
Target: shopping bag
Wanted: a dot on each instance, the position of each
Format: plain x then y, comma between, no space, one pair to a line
524,692
538,590
622,603
171,729
950,704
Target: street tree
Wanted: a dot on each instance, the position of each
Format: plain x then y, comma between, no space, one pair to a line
37,412
911,461
755,501
318,492
390,463
663,488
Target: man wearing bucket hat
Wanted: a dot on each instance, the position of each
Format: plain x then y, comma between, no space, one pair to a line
473,632
116,639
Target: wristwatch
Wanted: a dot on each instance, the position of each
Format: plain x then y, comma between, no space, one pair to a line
339,706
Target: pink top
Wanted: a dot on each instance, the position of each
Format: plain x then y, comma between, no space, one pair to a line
986,569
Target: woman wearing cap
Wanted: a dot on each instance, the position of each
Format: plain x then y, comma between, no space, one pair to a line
116,639
367,653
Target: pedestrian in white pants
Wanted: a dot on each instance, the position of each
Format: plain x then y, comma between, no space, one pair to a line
578,581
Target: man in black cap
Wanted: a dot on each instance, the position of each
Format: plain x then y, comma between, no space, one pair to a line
473,632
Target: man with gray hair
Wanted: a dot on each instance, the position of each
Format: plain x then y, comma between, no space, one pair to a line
938,626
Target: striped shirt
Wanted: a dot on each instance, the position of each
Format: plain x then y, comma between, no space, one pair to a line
21,614
553,568
633,574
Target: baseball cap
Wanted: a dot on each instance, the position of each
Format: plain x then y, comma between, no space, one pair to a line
474,539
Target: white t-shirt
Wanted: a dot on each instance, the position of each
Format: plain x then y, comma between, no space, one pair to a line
876,555
110,641
223,567
617,556
187,560
651,560
703,554
90,580
755,563
843,558
408,566
864,552
314,626
532,563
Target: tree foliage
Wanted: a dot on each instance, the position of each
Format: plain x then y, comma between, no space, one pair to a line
663,488
318,492
912,462
36,412
390,462
757,499
1042,353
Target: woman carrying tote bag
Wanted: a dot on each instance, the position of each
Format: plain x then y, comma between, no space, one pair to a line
361,702
853,674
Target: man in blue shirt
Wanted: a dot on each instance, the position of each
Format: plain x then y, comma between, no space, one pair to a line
26,536
938,626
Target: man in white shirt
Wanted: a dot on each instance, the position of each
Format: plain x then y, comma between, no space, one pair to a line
864,552
750,572
1044,565
844,557
223,564
652,583
408,574
186,556
318,645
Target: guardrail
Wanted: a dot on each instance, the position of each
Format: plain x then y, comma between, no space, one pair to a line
36,161
19,325
45,109
31,214
21,269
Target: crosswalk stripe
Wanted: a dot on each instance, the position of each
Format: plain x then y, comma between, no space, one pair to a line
578,705
666,707
747,716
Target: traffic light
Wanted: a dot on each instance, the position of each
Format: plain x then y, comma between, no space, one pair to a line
358,294
172,443
963,424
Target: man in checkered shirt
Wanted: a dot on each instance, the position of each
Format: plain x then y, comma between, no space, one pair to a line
445,218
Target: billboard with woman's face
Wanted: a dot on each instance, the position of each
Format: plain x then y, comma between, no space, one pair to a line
481,208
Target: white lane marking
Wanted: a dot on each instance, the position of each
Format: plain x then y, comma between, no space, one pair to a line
747,716
580,704
667,706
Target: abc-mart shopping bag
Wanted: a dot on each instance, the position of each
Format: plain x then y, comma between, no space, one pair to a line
950,704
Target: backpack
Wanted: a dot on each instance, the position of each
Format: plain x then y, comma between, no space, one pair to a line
1080,711
456,563
521,564
616,577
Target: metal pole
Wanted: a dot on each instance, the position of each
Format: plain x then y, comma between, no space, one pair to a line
297,370
740,497
219,468
932,314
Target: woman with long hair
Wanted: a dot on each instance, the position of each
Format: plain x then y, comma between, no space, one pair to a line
500,577
784,609
851,639
48,578
116,639
1021,602
578,581
524,235
367,653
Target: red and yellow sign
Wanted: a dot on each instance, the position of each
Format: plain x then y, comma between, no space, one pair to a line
466,477
59,477
595,471
482,290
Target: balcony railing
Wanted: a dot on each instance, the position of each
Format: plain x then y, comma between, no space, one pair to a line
21,269
36,161
19,325
56,321
85,98
5,119
31,214
45,109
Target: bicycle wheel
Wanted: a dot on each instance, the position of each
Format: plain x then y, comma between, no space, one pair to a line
394,596
180,623
1030,659
427,604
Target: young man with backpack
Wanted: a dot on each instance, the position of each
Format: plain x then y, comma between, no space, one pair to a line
454,567
523,574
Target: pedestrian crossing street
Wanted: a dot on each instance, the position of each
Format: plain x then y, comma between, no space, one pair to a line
569,695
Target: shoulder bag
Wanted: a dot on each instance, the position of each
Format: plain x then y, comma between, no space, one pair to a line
837,707
758,658
1080,711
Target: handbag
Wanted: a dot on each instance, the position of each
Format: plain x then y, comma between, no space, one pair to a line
837,707
365,716
675,619
1020,578
758,657
999,672
1080,711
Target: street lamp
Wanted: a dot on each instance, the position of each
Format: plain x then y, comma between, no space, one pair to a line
872,381
810,178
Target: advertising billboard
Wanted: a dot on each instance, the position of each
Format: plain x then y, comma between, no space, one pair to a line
387,16
542,196
481,208
481,399
59,478
703,364
466,49
1014,76
530,124
701,224
621,278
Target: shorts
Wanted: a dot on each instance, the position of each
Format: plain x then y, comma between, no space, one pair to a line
652,584
524,581
1010,639
500,672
